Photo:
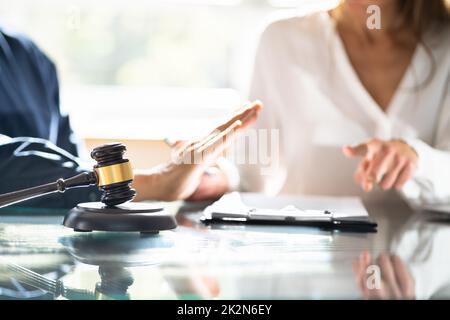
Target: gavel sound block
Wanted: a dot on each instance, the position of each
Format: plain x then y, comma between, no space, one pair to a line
113,175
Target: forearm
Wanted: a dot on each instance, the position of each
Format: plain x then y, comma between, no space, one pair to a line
168,183
159,183
143,183
171,182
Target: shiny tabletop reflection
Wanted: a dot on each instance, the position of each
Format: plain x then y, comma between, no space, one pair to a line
407,258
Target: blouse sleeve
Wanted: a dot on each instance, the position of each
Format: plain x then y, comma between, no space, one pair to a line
431,181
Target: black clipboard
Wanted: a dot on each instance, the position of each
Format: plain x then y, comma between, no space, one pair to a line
325,219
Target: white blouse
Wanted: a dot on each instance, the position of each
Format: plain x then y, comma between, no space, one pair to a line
316,100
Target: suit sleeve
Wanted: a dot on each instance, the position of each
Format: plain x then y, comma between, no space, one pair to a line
28,162
62,134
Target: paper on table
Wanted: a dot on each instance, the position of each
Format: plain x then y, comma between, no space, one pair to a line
229,203
340,206
298,206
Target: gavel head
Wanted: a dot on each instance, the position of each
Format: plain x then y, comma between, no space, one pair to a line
114,174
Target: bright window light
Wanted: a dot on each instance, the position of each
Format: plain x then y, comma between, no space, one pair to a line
163,65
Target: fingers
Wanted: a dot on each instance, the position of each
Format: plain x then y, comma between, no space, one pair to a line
367,149
205,151
404,278
390,177
242,107
359,150
186,149
386,163
395,281
360,266
405,174
361,176
381,163
388,272
247,114
221,139
243,118
195,145
249,118
363,261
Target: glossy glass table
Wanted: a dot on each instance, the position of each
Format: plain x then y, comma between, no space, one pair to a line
41,259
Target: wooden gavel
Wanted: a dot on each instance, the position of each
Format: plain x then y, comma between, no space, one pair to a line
112,174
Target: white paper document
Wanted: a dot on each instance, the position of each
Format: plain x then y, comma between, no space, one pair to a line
234,206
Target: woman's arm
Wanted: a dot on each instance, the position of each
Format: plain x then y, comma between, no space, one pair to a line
419,171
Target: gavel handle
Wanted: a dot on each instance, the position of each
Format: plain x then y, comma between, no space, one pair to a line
61,185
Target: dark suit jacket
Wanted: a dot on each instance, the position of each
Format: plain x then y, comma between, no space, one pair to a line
36,141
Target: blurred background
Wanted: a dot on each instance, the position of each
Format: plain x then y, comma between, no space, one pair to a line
139,71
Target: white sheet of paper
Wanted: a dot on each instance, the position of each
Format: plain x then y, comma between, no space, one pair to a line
300,206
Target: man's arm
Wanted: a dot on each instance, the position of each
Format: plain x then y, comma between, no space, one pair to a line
28,162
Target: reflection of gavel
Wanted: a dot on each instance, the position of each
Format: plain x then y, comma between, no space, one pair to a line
112,174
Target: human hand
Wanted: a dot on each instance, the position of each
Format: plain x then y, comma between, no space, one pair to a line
180,178
395,281
386,163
